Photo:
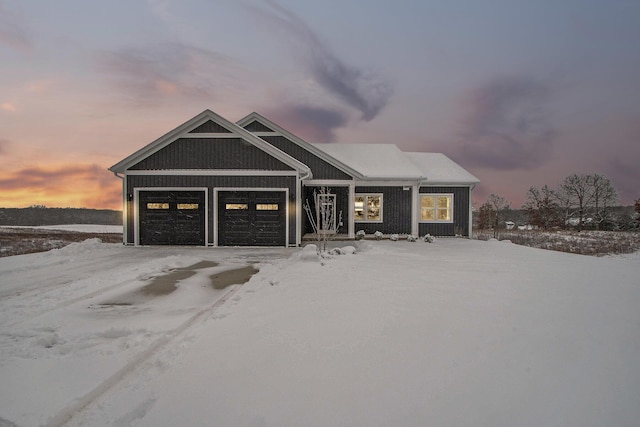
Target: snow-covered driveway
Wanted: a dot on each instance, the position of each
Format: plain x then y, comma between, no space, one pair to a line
456,332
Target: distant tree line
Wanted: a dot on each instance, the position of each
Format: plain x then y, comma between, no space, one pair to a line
579,201
41,215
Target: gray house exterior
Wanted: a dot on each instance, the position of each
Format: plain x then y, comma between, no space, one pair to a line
212,182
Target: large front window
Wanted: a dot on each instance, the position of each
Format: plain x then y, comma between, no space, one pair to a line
436,207
368,208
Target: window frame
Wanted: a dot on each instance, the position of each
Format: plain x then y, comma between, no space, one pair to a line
435,208
365,219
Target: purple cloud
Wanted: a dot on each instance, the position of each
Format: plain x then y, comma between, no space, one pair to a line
505,125
363,90
14,32
315,124
151,74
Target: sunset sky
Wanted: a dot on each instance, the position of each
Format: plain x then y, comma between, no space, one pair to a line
520,92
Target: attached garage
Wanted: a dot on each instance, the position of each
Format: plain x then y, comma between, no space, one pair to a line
172,217
252,218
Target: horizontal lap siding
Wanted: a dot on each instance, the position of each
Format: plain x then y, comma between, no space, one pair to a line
210,153
396,211
211,182
460,225
320,168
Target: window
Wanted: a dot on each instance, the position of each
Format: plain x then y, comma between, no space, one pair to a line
156,206
188,206
267,207
236,206
368,208
436,207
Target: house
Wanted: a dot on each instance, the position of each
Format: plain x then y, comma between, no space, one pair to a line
212,182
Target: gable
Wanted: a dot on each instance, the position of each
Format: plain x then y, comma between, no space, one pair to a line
210,153
210,127
256,126
209,141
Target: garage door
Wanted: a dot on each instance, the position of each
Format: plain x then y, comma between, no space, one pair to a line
172,217
251,218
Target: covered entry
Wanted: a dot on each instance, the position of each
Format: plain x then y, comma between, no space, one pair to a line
252,218
172,217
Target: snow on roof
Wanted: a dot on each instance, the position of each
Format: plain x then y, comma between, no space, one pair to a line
387,161
384,161
438,168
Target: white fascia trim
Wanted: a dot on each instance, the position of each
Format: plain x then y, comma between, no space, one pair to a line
136,209
373,183
280,131
446,184
203,135
327,182
216,215
182,131
210,172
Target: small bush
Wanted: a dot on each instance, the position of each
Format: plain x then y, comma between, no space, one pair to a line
411,238
378,235
360,235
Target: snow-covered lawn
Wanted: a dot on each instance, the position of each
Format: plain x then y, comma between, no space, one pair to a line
453,333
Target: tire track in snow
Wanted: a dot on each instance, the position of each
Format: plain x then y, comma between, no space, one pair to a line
82,403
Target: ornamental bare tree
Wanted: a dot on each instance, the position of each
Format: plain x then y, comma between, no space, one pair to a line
604,197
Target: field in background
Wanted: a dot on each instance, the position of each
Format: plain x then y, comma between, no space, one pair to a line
584,242
18,241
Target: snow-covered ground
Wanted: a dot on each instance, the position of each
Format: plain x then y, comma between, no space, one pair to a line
81,228
453,333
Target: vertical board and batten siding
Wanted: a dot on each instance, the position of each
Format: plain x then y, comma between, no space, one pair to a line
210,153
396,210
320,168
342,205
460,225
211,182
210,127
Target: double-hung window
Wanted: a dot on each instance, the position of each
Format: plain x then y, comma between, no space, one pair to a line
436,207
368,208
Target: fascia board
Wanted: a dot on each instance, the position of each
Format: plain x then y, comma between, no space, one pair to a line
299,141
201,118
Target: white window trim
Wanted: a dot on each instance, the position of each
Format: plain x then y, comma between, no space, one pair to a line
436,221
369,221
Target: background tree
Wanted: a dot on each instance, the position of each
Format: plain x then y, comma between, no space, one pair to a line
575,194
542,207
500,206
604,198
485,216
637,209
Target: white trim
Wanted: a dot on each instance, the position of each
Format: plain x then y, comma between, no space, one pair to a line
470,214
298,213
217,135
378,183
136,208
327,183
435,221
280,131
366,221
125,211
216,214
183,130
213,172
415,211
352,208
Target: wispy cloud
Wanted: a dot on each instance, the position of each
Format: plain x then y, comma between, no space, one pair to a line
8,106
361,89
150,74
14,31
315,124
4,144
505,125
71,185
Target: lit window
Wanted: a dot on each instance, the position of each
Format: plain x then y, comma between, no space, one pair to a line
368,208
436,207
188,206
154,206
236,206
267,207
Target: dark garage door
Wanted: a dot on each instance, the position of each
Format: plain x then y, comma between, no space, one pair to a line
172,218
251,218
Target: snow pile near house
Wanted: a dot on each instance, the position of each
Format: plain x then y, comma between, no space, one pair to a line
456,332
